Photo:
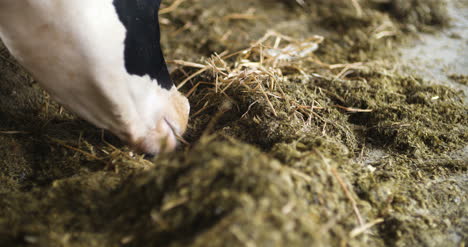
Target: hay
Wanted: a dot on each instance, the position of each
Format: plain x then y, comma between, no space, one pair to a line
295,139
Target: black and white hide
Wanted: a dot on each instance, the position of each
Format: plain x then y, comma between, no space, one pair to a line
102,60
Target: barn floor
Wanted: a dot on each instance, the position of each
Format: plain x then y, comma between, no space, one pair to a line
311,125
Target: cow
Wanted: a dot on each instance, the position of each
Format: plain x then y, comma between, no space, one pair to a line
102,60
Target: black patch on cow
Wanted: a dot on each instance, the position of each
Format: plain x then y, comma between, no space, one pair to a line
143,54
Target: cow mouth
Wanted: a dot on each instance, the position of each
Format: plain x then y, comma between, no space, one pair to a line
175,132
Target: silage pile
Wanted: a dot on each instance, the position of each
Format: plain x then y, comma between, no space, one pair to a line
301,134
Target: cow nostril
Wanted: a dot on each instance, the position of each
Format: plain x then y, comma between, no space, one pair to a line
148,156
